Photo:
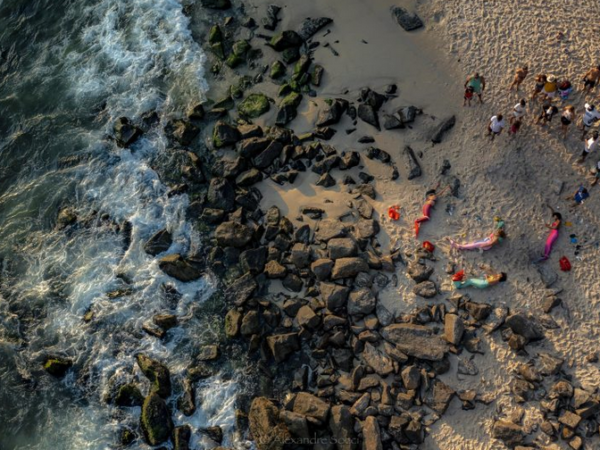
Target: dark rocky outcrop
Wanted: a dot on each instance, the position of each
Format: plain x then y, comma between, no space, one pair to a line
310,26
158,243
155,420
406,20
180,268
157,373
414,168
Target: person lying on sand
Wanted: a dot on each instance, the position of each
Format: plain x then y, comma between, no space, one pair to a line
553,236
520,75
431,197
591,78
496,237
477,82
460,281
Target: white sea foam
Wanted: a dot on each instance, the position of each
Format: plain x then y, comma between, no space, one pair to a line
137,55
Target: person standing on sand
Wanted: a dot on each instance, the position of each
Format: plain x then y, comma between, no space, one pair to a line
518,111
548,111
590,117
496,125
477,82
591,78
590,145
567,117
540,82
520,75
550,87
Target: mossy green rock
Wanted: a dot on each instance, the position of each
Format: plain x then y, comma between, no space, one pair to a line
233,61
129,395
294,99
254,105
226,103
233,321
290,55
57,366
156,420
240,48
284,90
215,35
277,70
302,65
218,49
157,373
126,437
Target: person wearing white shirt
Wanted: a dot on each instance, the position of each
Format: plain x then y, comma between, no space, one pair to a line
589,118
590,145
518,111
496,125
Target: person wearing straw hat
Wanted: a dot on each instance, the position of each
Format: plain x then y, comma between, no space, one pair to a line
550,87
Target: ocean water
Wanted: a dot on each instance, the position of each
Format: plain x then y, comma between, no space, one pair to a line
68,69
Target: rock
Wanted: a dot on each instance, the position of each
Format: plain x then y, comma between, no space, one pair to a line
250,324
249,177
569,419
406,20
508,432
349,160
414,432
307,318
526,326
275,270
442,128
57,366
125,132
180,268
254,105
186,403
384,316
310,26
362,302
453,329
332,114
288,108
242,289
419,272
547,275
311,406
157,373
233,321
415,340
267,430
341,424
408,114
317,75
283,345
285,40
216,4
322,268
128,395
479,311
158,243
326,181
467,366
334,295
549,364
209,352
329,229
342,248
366,228
292,282
233,234
267,156
66,217
550,302
221,194
225,134
181,437
371,434
368,114
296,424
380,363
496,319
312,212
425,289
253,146
414,168
561,389
300,255
391,122
439,397
155,420
185,132
411,377
343,358
348,267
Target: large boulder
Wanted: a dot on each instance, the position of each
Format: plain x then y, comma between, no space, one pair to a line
286,39
509,433
332,114
439,396
416,340
526,326
311,406
268,431
157,373
310,26
368,114
283,345
341,424
158,243
334,295
442,128
180,268
155,420
233,234
184,132
453,328
126,133
225,134
288,108
216,4
322,268
242,289
405,19
221,194
342,248
361,301
348,267
371,434
57,366
268,155
254,105
380,363
414,168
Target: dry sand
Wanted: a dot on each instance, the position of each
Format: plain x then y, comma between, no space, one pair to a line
511,178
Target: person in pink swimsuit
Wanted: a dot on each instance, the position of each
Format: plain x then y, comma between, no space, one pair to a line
553,236
431,197
496,237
